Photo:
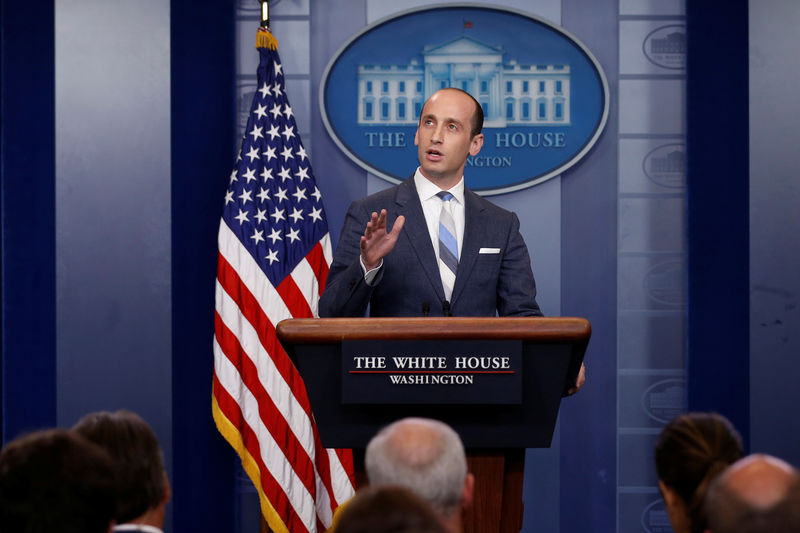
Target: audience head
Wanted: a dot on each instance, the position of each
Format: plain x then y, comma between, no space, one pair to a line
425,456
55,480
758,494
388,509
142,485
692,450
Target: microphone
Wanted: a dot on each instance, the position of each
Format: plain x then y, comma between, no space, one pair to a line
446,308
426,308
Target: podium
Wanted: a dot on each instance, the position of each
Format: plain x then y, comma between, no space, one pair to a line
496,423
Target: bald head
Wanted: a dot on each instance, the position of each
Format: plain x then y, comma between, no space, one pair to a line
757,493
423,455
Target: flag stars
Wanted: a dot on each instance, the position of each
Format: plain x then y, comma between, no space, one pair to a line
285,173
266,174
264,90
297,214
229,197
293,235
261,111
252,153
316,194
256,132
261,215
275,235
258,236
263,195
299,194
242,217
272,257
316,214
278,68
276,89
301,153
278,215
287,153
276,111
233,176
273,132
287,110
288,132
245,196
281,194
270,153
250,174
302,173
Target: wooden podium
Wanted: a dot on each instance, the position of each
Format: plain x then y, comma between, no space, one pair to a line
494,434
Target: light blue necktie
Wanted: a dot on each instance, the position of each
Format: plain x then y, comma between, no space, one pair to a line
448,246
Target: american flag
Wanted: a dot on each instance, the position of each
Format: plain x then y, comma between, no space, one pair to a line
274,254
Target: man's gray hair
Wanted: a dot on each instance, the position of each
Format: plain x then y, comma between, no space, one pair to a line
423,455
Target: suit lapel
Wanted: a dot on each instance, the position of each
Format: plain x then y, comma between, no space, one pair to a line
474,234
416,231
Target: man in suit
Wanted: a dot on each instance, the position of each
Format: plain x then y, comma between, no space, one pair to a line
142,485
453,254
56,481
759,493
398,272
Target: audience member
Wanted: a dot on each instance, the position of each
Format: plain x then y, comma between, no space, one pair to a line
427,457
388,509
55,481
142,486
692,450
758,494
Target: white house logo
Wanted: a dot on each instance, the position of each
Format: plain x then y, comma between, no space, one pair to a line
666,46
655,518
664,283
663,400
544,96
666,165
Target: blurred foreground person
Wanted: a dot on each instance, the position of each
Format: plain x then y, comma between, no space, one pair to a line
692,450
142,486
55,481
388,510
758,494
427,457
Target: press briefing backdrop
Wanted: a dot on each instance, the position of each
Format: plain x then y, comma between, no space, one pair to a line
109,251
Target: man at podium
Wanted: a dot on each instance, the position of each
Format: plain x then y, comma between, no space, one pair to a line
431,246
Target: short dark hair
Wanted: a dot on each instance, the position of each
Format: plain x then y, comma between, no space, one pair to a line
388,510
729,513
477,116
134,448
55,480
692,450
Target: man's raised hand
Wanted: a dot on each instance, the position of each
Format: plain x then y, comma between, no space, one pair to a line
376,243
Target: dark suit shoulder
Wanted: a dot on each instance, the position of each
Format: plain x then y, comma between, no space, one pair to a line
488,208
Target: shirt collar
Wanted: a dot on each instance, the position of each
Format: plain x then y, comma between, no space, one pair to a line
426,188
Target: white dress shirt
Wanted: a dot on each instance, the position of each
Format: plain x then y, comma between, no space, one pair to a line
431,208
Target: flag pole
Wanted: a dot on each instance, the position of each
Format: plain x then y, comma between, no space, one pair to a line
265,14
264,38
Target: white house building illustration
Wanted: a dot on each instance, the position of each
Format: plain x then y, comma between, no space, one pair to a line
509,93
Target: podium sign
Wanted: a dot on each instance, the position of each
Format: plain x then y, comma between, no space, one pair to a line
431,372
551,354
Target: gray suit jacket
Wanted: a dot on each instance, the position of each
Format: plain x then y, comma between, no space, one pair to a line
488,282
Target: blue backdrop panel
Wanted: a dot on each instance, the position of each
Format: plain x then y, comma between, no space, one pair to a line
27,156
718,211
202,56
589,266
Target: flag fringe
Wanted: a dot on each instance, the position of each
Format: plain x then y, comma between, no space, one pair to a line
265,39
234,438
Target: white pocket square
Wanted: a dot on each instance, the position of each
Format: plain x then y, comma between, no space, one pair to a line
489,251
